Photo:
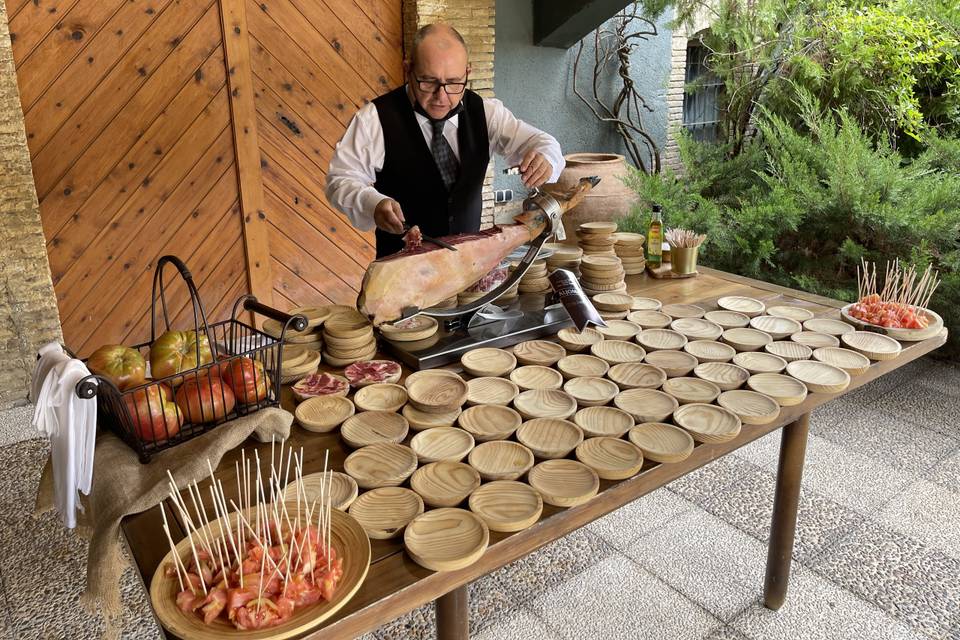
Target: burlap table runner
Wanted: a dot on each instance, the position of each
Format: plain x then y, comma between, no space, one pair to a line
122,486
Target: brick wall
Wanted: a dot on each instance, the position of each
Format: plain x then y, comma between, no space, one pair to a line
28,308
475,20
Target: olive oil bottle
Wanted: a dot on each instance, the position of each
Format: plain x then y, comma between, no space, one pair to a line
655,238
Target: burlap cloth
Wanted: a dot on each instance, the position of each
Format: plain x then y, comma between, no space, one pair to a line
122,486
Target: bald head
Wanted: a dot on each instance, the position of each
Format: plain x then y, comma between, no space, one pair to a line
438,40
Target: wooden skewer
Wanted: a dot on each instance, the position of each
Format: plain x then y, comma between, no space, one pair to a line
177,563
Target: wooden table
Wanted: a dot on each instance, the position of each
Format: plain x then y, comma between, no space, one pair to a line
396,585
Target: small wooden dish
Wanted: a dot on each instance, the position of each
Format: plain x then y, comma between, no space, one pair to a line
343,489
581,365
596,422
723,374
507,505
536,377
612,302
549,438
710,351
591,392
819,377
750,406
707,422
728,319
760,362
346,347
934,325
618,351
682,311
611,458
875,346
381,465
662,442
578,341
564,483
323,414
788,311
828,326
491,390
661,340
690,390
307,366
346,326
746,339
444,483
380,396
646,304
501,460
446,539
545,403
384,513
789,350
538,352
293,354
411,329
637,375
374,427
488,362
619,330
420,420
697,328
673,363
649,319
428,373
438,393
785,390
490,422
778,328
815,340
749,307
447,444
646,405
853,362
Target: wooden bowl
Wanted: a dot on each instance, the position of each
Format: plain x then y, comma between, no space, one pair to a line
785,390
549,438
611,458
618,351
447,444
343,489
577,341
682,311
380,396
689,390
697,328
646,405
749,307
649,319
490,390
507,505
619,330
347,325
710,351
828,325
488,362
291,374
581,365
420,420
815,340
411,329
428,373
661,339
384,513
728,319
645,304
445,483
760,362
637,375
934,325
875,346
538,352
446,539
374,427
750,406
564,483
545,403
789,311
501,460
591,392
707,422
852,362
662,442
381,465
819,377
323,414
438,393
789,350
673,363
490,422
746,339
596,422
536,377
725,375
778,328
612,302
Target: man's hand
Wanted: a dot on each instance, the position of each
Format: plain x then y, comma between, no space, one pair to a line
388,216
535,169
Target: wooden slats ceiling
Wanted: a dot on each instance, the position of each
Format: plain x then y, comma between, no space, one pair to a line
131,124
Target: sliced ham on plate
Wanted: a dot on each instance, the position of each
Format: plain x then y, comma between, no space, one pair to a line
360,374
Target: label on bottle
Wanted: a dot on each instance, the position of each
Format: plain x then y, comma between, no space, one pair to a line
654,246
574,300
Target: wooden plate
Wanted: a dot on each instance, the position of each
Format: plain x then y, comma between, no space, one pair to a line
682,311
662,442
815,340
591,392
645,304
347,538
789,350
727,319
488,362
612,302
710,351
490,390
619,330
438,393
536,377
564,483
749,307
381,465
750,406
380,396
549,438
723,374
637,375
293,354
596,422
346,325
611,458
819,376
444,483
578,340
852,362
340,361
374,427
446,539
420,420
441,444
501,460
828,325
411,329
661,339
873,345
323,413
384,513
707,422
688,390
538,352
697,328
784,389
343,489
746,339
646,405
507,505
618,351
490,422
778,328
673,363
581,365
788,311
649,319
760,362
934,326
545,403
428,373
305,367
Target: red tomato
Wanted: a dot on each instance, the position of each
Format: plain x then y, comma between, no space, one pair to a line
121,365
154,417
246,378
205,398
176,351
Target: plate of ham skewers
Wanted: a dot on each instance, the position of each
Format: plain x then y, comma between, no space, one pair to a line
267,568
899,310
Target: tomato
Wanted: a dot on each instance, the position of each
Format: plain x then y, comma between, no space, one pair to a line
205,398
246,378
121,365
154,417
176,351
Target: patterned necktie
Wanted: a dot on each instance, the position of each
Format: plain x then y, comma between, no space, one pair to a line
443,154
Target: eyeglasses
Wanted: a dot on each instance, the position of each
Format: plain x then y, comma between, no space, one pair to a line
432,86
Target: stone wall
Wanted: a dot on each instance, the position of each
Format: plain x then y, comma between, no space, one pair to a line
678,68
28,306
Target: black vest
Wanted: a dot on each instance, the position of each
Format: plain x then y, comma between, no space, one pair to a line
410,175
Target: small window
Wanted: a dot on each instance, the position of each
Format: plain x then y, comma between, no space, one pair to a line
701,111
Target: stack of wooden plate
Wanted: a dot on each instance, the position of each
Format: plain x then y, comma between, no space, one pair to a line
564,256
348,337
601,274
535,279
411,329
613,306
596,238
302,362
311,337
629,248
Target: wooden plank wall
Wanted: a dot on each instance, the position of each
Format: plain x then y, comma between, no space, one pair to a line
131,124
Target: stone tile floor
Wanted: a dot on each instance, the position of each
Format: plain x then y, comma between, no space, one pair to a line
877,553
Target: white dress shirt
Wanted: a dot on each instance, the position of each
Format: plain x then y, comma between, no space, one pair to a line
360,155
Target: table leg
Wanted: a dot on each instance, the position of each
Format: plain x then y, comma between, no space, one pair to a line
453,620
793,446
